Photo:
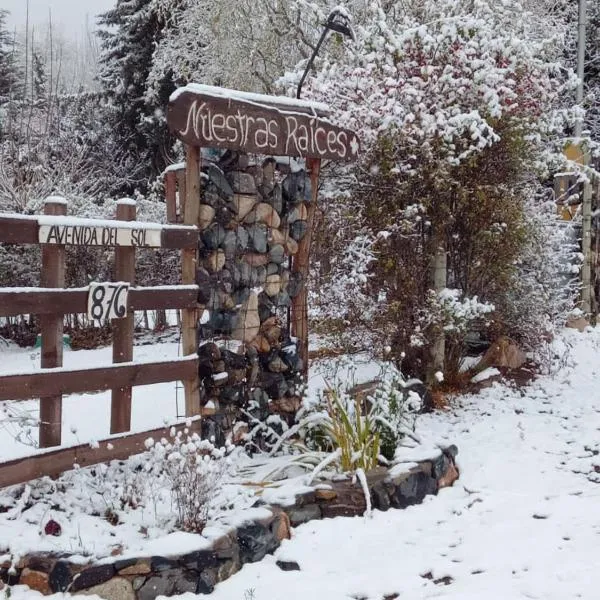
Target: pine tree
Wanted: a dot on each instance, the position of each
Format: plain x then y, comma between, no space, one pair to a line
134,28
9,73
40,78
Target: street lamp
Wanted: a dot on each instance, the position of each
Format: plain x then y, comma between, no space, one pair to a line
337,21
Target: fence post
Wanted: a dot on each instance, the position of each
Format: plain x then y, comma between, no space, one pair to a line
183,194
52,276
171,196
189,318
120,408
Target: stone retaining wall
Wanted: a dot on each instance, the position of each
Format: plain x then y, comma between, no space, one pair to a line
198,572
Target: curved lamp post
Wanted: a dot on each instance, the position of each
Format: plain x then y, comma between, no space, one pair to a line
337,21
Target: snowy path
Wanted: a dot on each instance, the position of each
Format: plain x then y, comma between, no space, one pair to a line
523,521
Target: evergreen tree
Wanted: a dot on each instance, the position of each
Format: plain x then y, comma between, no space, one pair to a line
9,73
134,29
40,78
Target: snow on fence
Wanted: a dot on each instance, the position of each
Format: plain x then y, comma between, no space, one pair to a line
116,301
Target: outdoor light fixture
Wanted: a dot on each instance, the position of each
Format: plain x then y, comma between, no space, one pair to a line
337,21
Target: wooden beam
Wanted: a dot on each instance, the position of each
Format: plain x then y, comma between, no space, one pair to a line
52,464
120,402
51,326
189,265
74,381
25,301
301,264
179,238
20,230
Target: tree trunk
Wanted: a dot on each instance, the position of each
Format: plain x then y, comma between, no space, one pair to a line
439,279
161,320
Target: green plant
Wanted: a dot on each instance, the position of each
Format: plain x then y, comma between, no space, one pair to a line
352,434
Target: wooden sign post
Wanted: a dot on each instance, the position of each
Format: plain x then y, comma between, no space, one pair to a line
189,263
203,116
52,276
301,264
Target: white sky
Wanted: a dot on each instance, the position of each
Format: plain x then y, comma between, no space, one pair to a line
69,16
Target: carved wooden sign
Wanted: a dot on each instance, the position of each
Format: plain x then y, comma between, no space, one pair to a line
200,119
86,235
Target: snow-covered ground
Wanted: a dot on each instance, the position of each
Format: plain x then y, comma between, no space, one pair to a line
522,522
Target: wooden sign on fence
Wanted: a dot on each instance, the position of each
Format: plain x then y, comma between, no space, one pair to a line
107,301
86,235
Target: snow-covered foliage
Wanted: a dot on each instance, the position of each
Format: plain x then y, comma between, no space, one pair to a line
546,284
353,424
444,80
193,469
462,114
450,312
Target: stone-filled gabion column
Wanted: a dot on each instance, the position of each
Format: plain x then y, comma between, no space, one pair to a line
252,216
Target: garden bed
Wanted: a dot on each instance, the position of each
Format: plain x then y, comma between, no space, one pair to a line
258,519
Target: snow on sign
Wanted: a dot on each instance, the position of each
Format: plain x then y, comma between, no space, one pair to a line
200,118
107,301
87,235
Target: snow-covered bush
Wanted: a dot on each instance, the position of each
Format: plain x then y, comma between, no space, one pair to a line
461,112
448,312
395,405
175,481
350,426
193,469
354,437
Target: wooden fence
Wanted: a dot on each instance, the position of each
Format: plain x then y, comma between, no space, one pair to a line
116,301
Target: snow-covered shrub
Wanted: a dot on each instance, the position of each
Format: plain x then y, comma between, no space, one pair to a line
353,435
545,286
394,407
339,299
193,469
351,424
448,312
461,112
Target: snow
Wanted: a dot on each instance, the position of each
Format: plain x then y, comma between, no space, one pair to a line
55,200
485,374
126,202
261,99
175,167
83,222
520,523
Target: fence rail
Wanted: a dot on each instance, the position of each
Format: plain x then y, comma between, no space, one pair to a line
62,381
52,301
55,462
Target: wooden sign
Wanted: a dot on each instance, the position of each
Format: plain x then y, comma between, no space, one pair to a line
107,301
86,235
202,119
